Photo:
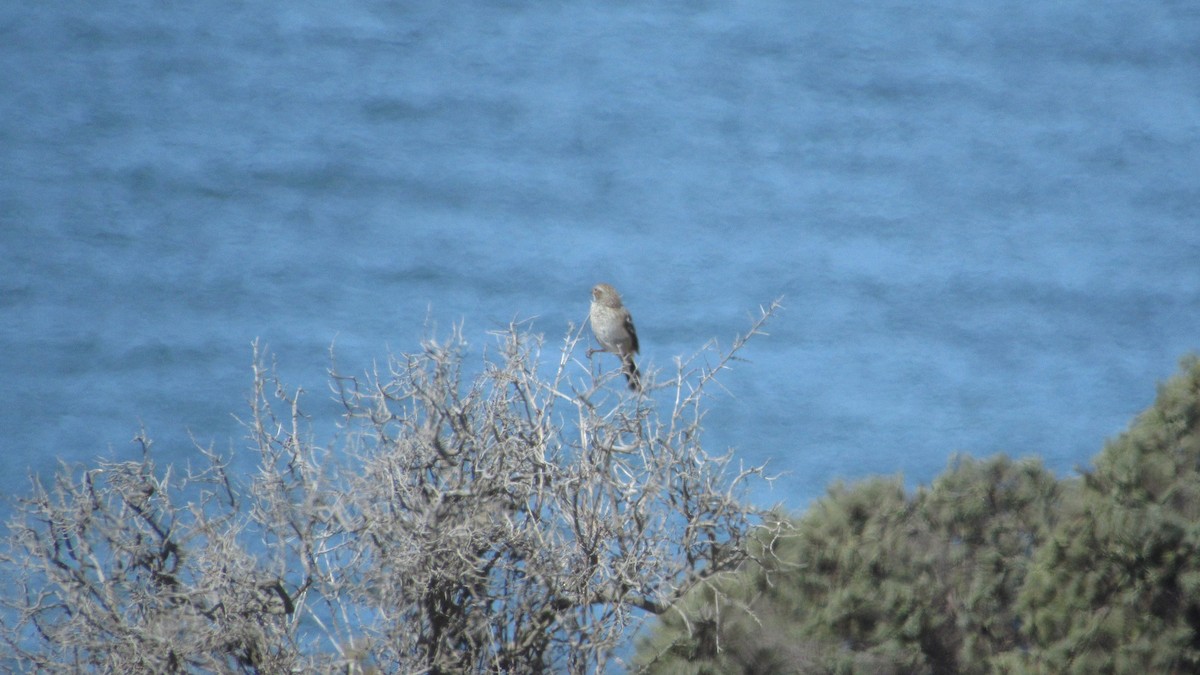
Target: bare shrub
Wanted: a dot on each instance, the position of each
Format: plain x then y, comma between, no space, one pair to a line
512,521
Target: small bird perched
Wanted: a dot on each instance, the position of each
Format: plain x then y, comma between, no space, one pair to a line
614,329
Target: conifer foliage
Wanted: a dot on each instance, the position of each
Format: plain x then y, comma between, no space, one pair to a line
1117,588
997,566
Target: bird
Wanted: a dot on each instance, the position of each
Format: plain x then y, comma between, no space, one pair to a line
613,327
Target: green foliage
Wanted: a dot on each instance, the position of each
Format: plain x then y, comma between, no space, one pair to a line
996,567
1115,590
874,580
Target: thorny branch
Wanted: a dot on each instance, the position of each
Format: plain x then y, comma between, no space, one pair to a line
508,520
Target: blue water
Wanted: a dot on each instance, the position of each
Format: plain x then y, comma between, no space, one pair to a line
984,217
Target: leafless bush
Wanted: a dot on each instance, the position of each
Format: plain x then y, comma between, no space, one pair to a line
506,522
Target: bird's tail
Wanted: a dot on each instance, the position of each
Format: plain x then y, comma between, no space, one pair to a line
632,375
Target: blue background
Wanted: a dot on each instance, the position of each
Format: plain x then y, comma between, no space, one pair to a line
984,217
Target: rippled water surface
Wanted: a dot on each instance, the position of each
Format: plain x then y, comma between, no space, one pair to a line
984,217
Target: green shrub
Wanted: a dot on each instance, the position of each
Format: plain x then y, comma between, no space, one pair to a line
872,579
1115,590
995,567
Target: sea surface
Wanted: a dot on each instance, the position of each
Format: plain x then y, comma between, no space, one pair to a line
983,217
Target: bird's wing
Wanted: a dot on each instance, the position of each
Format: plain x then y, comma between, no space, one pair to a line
632,331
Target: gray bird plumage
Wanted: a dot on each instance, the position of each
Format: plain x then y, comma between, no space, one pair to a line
613,327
